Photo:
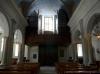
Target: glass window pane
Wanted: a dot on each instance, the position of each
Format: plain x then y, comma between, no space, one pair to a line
48,23
15,50
79,50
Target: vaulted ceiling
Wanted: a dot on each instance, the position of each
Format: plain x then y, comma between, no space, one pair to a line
28,6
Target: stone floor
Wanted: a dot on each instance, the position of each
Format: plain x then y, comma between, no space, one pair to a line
47,70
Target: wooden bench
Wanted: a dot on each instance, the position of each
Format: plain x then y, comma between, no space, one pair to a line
81,72
29,68
15,72
62,68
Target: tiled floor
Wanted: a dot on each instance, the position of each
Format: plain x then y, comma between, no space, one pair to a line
47,70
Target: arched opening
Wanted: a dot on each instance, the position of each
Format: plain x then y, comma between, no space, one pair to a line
17,46
4,32
93,31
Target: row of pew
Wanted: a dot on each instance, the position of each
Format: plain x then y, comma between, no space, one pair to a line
75,68
23,68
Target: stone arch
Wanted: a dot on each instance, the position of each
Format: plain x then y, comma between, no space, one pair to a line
91,43
4,25
92,24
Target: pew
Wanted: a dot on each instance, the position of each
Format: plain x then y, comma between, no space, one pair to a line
15,72
81,72
22,68
71,67
14,61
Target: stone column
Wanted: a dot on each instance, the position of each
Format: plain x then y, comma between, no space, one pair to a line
85,51
75,52
84,43
22,47
4,50
71,52
90,49
8,49
67,53
21,53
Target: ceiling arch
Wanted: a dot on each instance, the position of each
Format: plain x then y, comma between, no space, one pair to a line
4,25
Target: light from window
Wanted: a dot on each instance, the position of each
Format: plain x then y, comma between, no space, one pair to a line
26,51
47,23
15,50
2,45
79,50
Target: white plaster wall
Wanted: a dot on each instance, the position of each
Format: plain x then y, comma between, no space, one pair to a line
34,50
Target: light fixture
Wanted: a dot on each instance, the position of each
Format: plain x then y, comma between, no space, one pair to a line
98,37
96,31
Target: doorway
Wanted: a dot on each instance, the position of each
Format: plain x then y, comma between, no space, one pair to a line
48,54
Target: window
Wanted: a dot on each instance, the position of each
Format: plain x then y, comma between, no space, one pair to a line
2,45
47,23
1,48
79,50
26,51
15,50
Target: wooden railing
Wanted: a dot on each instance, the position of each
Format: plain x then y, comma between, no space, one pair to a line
38,39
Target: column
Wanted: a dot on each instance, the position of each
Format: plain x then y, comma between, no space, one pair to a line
71,51
67,53
90,49
19,53
84,43
4,50
75,52
85,51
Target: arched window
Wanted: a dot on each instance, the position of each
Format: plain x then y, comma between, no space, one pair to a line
16,46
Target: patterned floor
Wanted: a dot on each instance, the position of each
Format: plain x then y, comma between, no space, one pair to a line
47,70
